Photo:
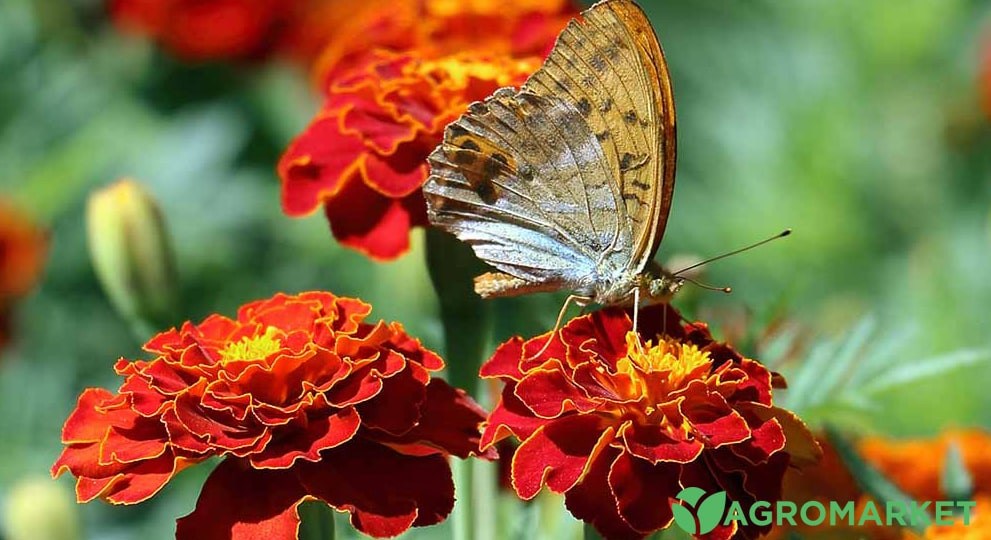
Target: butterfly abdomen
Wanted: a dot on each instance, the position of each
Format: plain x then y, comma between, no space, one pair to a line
498,284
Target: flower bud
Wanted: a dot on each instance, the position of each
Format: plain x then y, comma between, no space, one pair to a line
39,509
132,254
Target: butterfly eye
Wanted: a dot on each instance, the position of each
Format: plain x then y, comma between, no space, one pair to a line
664,286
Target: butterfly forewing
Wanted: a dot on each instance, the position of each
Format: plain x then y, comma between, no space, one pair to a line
611,68
524,181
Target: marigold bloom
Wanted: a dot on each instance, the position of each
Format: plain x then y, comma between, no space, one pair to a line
916,466
393,78
620,426
978,528
304,400
23,247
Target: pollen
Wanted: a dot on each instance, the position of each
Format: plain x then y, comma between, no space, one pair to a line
659,369
252,348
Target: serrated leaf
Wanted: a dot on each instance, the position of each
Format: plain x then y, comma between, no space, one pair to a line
911,372
956,481
832,376
803,380
684,518
871,480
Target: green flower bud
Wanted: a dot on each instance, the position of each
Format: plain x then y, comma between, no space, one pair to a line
132,255
39,509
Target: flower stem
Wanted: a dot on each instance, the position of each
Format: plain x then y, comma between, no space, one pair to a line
589,533
317,521
467,321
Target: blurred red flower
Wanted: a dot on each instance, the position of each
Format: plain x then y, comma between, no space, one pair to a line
304,400
23,248
393,78
621,426
199,30
985,74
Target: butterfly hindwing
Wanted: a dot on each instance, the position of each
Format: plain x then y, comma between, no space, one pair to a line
611,67
523,180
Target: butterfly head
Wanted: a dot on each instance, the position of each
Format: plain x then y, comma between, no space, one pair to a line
661,289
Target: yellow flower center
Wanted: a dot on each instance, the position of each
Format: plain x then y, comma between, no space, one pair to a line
657,370
252,348
460,70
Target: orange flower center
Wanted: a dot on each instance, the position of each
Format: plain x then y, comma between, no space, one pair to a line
252,348
653,372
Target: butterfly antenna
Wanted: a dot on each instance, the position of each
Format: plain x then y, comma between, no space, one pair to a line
781,234
705,286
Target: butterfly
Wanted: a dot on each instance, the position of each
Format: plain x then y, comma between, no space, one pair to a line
566,183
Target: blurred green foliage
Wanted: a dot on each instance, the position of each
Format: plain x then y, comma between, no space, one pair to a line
854,122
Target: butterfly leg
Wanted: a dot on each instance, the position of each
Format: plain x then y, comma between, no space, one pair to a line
636,309
577,299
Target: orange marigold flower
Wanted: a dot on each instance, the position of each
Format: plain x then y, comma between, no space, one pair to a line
620,426
916,466
199,30
978,528
23,247
393,80
302,398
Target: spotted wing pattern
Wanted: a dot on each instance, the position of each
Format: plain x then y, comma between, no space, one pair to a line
523,180
611,67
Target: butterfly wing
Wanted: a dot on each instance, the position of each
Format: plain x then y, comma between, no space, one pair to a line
522,179
611,67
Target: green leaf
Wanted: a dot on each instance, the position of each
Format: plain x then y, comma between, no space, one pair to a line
842,363
912,372
317,521
466,317
871,480
467,327
956,481
589,533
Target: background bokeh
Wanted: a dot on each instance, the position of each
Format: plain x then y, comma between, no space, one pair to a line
857,123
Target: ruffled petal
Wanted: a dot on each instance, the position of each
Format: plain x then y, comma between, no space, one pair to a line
420,489
241,503
558,454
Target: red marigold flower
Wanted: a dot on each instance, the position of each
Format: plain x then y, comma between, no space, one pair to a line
393,80
200,30
304,400
23,246
621,426
364,157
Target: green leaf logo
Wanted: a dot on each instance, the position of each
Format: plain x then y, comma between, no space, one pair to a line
699,514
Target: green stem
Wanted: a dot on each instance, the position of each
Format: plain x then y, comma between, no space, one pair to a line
317,521
589,533
467,321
